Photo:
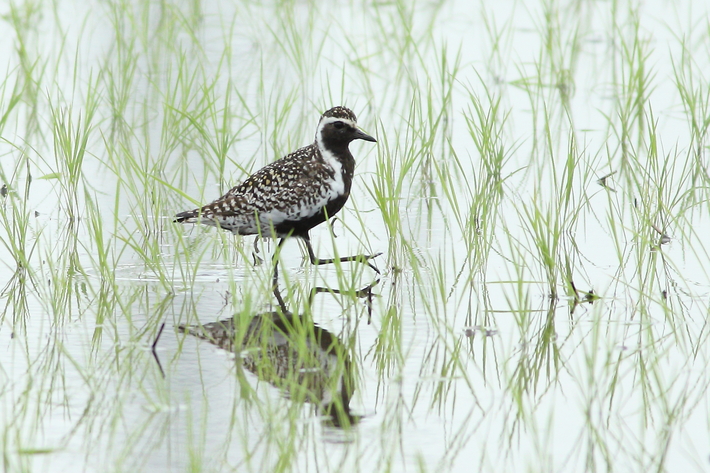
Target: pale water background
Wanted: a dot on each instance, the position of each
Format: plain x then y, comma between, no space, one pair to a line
468,363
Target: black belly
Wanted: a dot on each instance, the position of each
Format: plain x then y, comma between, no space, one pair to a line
300,228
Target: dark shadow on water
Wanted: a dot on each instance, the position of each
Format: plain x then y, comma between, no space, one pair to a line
306,362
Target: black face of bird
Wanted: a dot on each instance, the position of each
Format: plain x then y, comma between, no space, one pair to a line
339,131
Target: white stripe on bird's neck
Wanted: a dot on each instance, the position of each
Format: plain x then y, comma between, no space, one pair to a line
338,185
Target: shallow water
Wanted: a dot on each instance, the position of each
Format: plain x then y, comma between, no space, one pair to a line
475,354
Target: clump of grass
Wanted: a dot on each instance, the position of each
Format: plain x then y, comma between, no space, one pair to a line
70,147
23,20
19,241
695,97
486,123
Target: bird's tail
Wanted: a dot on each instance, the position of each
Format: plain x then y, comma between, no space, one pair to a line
189,216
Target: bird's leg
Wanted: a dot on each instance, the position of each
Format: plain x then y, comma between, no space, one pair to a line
257,259
356,258
275,281
364,293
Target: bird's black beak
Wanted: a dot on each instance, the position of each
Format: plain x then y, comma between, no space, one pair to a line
361,135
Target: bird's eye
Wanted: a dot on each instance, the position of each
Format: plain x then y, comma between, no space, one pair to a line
339,125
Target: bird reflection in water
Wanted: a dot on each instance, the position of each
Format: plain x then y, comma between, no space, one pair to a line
308,363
